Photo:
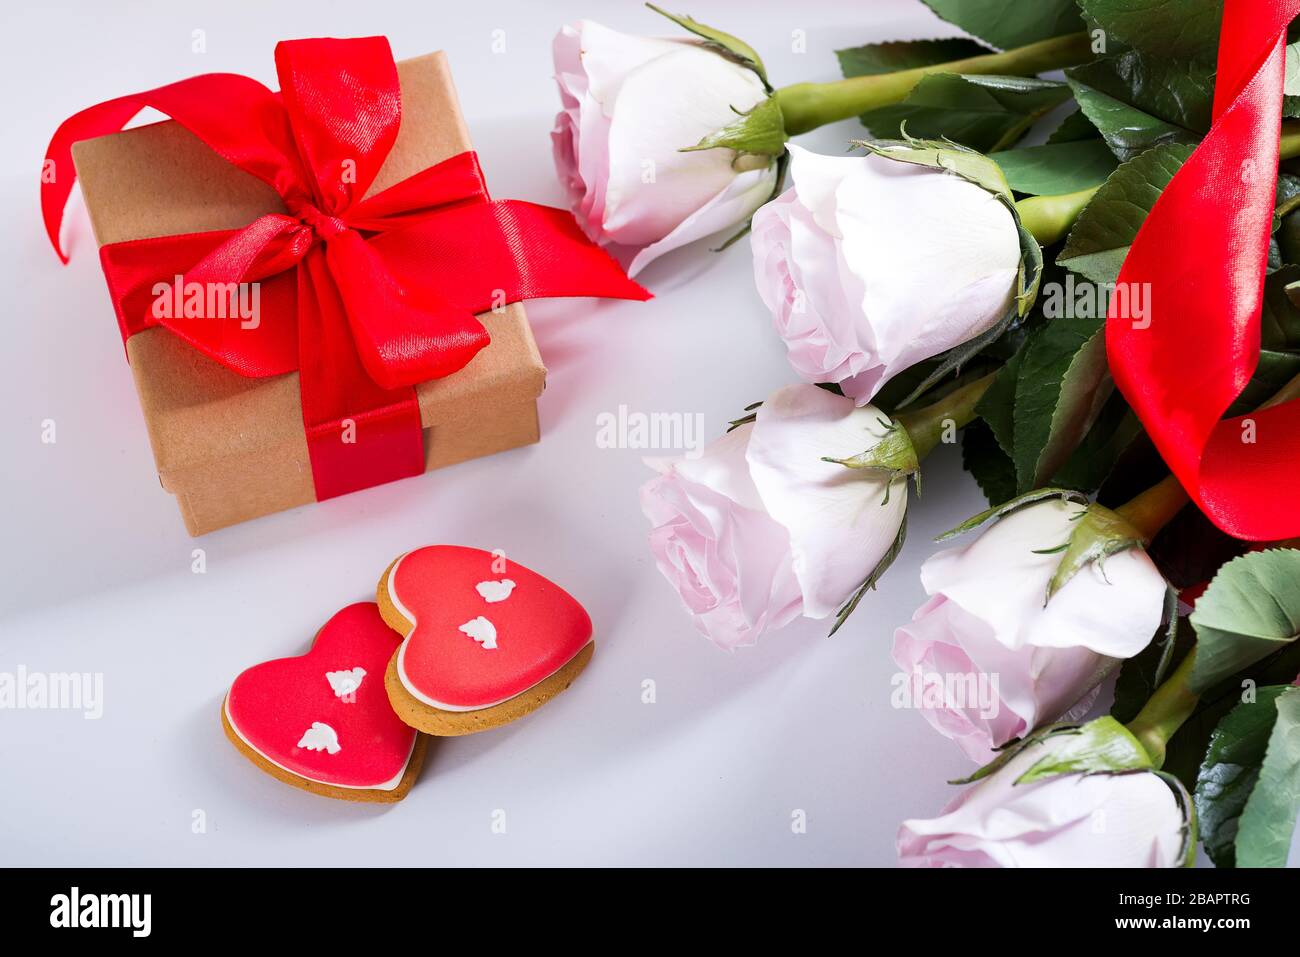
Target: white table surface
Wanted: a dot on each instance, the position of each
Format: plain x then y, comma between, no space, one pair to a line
97,566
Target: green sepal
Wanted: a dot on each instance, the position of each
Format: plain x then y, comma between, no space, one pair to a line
1170,636
760,130
733,47
1101,746
1188,807
944,155
894,455
876,573
1097,534
782,165
1006,508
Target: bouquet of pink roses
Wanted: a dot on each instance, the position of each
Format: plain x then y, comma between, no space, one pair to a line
1108,321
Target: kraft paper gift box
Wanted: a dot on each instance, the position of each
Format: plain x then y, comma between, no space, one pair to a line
232,448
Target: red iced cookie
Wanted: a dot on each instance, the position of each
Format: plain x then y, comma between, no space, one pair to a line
487,640
322,721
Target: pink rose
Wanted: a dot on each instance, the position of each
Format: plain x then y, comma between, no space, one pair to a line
630,104
987,618
869,266
1131,819
758,530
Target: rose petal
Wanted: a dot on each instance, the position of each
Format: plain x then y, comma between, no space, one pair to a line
839,524
1101,820
729,209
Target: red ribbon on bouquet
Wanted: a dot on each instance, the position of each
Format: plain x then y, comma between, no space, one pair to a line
364,297
1204,251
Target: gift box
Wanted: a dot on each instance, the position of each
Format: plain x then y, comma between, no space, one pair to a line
232,446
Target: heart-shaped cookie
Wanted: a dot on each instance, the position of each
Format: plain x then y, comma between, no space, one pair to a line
486,639
322,721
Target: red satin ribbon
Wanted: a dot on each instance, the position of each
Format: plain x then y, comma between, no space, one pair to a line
1204,250
364,297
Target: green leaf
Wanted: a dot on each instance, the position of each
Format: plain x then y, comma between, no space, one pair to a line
1010,23
1074,129
1231,771
1177,91
1140,100
876,58
1286,221
724,43
997,407
984,459
1250,610
985,113
1291,87
986,441
1127,130
1275,370
760,130
1268,821
1057,168
1096,456
1287,198
1100,239
1280,319
1178,29
1186,749
1060,390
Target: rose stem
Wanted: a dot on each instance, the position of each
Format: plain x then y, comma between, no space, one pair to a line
806,106
925,426
1049,218
1171,705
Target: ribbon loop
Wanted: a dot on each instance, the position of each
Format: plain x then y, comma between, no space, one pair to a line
404,334
344,106
1203,251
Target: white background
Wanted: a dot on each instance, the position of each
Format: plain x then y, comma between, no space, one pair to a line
96,565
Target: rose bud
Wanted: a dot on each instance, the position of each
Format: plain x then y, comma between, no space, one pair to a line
870,265
990,614
760,529
1072,797
633,107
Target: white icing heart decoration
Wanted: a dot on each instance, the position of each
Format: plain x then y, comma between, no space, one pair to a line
482,631
344,683
495,591
320,737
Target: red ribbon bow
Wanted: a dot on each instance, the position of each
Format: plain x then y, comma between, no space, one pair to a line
365,297
1204,251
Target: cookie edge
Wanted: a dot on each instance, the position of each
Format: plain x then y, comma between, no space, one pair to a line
361,795
389,611
446,724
